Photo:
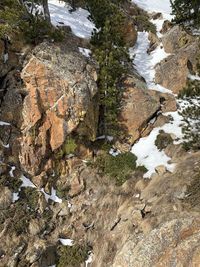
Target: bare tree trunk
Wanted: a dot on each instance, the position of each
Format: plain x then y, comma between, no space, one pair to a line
46,10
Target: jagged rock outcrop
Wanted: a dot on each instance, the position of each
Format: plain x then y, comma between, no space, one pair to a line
174,242
173,233
61,89
172,72
139,106
175,39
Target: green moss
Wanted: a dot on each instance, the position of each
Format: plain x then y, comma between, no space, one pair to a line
120,167
69,147
72,256
163,140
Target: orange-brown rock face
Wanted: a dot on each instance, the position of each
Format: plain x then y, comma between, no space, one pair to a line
172,72
138,108
60,88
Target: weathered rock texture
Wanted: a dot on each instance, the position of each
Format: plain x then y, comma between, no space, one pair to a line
138,107
60,87
175,39
171,234
173,71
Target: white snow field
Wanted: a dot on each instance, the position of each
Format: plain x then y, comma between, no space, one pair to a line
145,63
78,20
145,149
162,6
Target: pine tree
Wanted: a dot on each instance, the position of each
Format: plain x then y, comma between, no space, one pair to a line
111,55
191,113
187,12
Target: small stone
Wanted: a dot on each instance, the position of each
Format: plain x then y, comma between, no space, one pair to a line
148,208
137,216
140,206
35,227
161,169
140,185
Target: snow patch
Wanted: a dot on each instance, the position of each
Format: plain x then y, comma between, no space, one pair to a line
77,20
84,51
146,151
3,123
109,138
162,6
194,77
11,171
15,197
90,259
53,196
145,63
114,152
66,242
26,182
6,146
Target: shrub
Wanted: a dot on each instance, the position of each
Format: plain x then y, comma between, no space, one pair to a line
191,129
163,140
144,24
191,89
12,183
62,190
69,147
72,256
39,29
120,167
191,113
34,28
19,218
30,196
193,192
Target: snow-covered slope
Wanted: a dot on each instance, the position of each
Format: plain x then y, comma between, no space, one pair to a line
162,6
145,149
78,20
145,63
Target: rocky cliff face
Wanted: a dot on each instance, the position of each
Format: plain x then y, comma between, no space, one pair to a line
173,71
138,108
60,89
49,94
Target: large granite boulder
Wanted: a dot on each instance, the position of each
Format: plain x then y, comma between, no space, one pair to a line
175,39
61,89
139,106
173,71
